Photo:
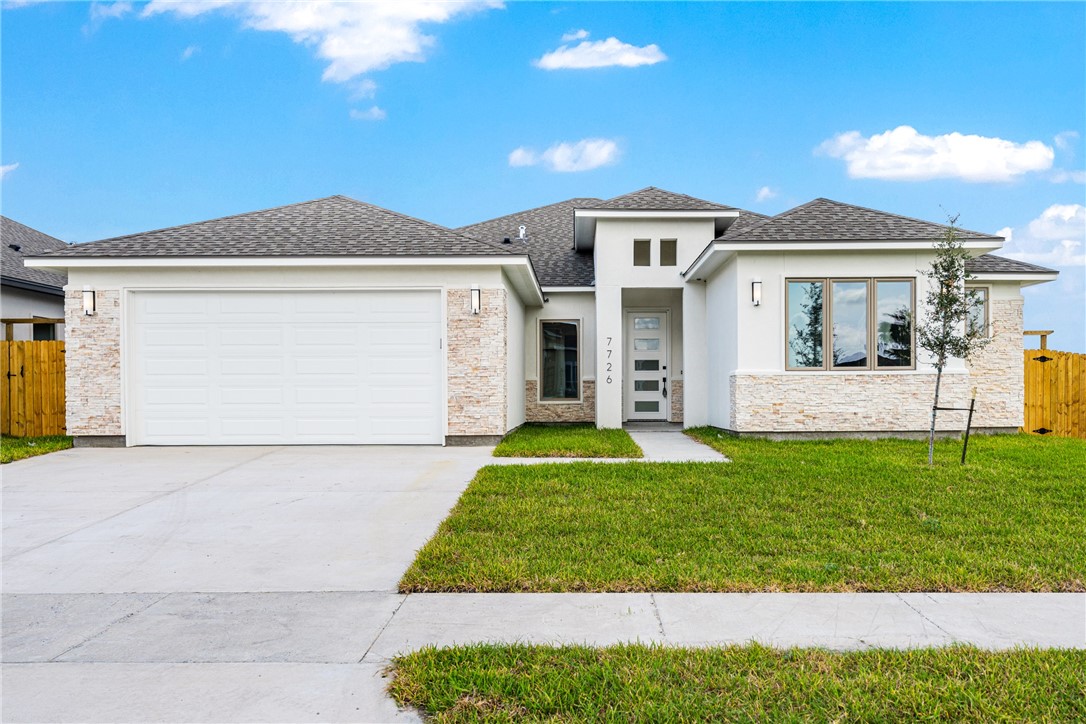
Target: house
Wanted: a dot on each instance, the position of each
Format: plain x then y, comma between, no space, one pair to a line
336,321
27,293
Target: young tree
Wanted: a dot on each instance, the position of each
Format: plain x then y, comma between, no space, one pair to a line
944,332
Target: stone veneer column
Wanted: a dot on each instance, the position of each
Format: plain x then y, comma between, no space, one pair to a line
477,366
92,361
997,371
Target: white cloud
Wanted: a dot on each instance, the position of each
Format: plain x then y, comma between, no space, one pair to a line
1055,238
600,54
523,157
1065,140
363,89
1060,176
371,114
189,52
765,194
569,157
101,12
903,154
8,168
354,37
574,35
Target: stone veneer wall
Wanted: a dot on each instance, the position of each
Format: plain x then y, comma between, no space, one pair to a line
93,364
477,363
676,401
583,411
997,371
842,402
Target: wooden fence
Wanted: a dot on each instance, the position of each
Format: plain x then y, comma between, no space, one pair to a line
31,388
1055,393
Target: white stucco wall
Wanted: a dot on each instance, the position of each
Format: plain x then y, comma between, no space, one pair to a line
721,302
24,304
514,415
575,306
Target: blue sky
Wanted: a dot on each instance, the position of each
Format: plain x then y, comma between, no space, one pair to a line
119,118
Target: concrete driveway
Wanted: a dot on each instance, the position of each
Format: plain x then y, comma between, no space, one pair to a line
212,584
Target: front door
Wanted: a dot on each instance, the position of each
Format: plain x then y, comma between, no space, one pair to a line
646,365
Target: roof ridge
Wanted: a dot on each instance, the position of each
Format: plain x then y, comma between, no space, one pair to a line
217,218
528,211
907,218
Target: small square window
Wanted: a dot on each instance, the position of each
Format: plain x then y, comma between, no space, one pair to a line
642,252
669,252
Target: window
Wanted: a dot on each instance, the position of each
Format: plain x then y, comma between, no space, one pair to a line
865,323
977,321
44,332
642,252
559,376
669,252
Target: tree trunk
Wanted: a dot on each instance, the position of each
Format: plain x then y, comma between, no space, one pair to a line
934,405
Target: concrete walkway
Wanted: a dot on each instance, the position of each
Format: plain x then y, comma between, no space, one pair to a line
658,446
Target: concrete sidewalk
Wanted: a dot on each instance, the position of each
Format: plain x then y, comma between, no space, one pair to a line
658,446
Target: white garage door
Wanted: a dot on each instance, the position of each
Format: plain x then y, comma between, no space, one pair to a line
285,367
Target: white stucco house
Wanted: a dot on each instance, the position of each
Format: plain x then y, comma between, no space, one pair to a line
29,294
338,322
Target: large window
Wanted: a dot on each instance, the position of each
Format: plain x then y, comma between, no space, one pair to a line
845,324
559,373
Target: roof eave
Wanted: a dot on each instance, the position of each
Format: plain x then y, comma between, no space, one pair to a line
1025,279
56,291
584,220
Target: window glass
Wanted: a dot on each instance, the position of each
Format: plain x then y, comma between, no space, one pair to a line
44,332
805,324
646,406
977,320
647,344
558,374
642,252
646,322
668,252
646,385
849,310
894,308
646,365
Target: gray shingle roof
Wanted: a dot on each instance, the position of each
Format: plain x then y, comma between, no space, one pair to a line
654,199
992,264
333,226
746,220
827,220
31,242
549,241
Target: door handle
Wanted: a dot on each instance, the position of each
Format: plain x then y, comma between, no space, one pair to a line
663,387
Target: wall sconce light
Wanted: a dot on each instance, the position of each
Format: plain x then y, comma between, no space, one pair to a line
756,292
476,299
88,301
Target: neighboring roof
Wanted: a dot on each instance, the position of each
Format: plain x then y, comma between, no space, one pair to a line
30,242
992,264
549,241
828,220
333,226
745,220
654,199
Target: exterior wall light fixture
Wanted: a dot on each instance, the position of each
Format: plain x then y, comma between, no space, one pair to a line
476,299
756,292
88,301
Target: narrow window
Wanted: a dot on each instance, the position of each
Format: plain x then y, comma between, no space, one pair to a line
45,332
559,377
805,332
668,252
977,321
642,252
894,331
849,323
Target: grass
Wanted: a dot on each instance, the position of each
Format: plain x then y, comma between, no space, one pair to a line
567,441
740,684
17,448
842,515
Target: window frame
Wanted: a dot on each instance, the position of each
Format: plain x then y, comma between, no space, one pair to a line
872,323
648,257
987,294
539,364
660,252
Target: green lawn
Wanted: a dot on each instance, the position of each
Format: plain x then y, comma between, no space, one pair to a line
740,684
17,448
843,515
567,441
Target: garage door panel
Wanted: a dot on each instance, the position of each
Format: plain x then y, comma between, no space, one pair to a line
307,367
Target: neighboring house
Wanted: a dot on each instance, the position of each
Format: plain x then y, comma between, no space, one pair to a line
335,321
29,293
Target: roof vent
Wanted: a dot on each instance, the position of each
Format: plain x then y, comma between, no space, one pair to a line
506,240
522,232
16,247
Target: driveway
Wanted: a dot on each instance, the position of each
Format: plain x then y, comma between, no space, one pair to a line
212,584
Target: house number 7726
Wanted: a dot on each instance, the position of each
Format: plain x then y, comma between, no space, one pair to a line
609,380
